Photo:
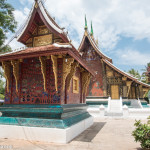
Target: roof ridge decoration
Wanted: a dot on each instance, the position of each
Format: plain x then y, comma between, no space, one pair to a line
93,43
125,73
86,27
92,29
50,23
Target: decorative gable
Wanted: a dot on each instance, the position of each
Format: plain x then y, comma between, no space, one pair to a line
41,29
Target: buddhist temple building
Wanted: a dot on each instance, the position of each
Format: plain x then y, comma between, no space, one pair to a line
46,82
109,81
49,70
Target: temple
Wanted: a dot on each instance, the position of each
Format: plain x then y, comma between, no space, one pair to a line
110,86
46,82
109,81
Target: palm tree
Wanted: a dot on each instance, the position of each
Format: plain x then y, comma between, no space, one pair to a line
146,73
135,73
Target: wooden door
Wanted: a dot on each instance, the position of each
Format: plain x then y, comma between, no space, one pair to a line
133,92
114,92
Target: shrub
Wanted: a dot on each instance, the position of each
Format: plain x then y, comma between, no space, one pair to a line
142,133
2,96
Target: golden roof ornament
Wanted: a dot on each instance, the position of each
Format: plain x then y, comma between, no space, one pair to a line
36,4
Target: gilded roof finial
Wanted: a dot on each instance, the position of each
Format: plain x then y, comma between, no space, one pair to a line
36,3
85,23
91,29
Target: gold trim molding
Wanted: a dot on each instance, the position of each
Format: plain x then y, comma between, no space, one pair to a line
71,74
55,69
128,83
75,85
66,69
42,40
43,70
145,90
15,64
86,76
124,78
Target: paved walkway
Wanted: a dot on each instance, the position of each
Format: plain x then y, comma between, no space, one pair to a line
105,134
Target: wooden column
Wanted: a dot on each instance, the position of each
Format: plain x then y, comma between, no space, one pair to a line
66,70
71,74
128,83
55,70
15,64
43,70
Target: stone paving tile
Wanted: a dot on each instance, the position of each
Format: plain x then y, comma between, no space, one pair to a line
105,134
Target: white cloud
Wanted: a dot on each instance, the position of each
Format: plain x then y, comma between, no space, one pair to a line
25,2
129,56
111,18
21,16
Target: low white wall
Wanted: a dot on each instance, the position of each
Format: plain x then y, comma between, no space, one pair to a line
127,112
54,135
136,104
135,112
95,112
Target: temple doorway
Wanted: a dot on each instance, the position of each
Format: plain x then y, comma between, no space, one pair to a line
114,92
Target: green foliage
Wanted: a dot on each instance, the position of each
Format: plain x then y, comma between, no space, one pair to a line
148,120
2,96
142,133
146,73
135,73
4,49
7,23
2,89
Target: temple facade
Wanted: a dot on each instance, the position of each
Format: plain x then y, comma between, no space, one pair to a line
46,83
109,81
50,70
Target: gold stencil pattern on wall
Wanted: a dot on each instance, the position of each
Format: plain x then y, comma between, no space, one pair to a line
43,30
43,70
15,64
54,60
71,74
42,40
66,69
85,81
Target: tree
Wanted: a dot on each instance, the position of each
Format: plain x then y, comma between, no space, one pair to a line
135,73
146,74
7,23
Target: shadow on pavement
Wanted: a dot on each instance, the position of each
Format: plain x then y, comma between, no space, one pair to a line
89,134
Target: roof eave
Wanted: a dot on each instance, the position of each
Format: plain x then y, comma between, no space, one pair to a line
86,34
125,74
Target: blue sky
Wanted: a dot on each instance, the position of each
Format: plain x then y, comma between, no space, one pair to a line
122,27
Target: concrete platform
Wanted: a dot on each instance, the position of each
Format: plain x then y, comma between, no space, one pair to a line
104,134
45,134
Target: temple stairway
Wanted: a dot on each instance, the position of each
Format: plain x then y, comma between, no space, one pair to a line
115,108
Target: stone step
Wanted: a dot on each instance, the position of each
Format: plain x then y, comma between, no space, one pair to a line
114,114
